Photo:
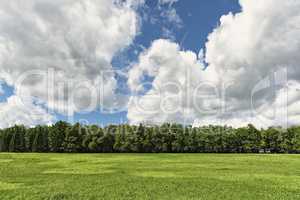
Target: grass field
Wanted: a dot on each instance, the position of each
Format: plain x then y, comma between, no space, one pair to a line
149,176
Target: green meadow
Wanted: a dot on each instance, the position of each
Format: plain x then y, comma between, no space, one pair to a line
149,176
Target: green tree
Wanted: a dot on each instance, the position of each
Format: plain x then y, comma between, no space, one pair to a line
17,140
74,138
57,134
273,140
291,140
40,141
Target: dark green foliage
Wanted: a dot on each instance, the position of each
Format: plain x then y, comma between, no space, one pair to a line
30,138
40,141
5,138
57,134
2,141
291,140
74,138
167,138
17,139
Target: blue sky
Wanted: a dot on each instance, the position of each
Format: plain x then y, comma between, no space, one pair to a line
246,72
199,18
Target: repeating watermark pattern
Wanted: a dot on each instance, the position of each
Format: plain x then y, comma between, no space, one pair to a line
207,99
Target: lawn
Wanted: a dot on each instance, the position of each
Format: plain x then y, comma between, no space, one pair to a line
149,176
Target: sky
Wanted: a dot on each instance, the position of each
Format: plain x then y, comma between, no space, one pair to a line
222,62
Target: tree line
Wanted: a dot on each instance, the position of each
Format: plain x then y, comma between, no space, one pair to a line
168,138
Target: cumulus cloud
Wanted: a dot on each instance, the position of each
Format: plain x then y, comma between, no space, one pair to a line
175,78
57,54
60,51
253,45
19,111
254,59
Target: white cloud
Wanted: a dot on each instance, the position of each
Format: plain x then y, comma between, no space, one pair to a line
176,74
74,39
165,16
170,12
247,54
167,1
171,15
24,112
252,45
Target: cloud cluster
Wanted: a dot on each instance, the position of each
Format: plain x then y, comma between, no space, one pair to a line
258,46
253,57
60,51
167,85
17,111
57,55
